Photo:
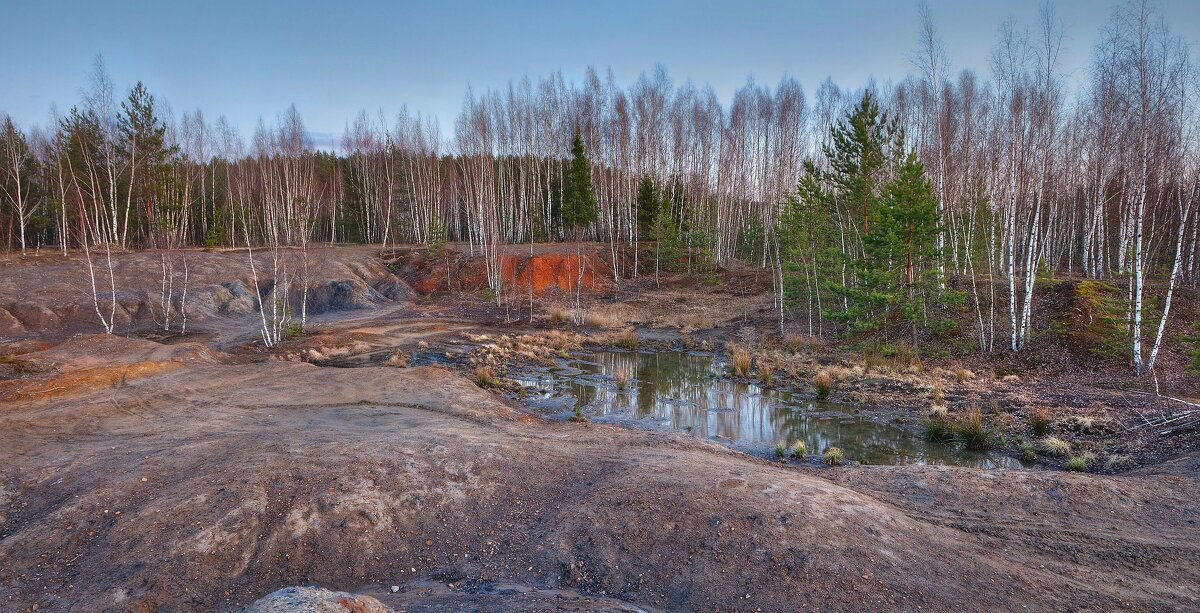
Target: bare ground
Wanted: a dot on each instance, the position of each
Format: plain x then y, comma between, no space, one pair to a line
189,483
136,475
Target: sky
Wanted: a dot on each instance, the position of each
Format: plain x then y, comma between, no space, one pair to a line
253,58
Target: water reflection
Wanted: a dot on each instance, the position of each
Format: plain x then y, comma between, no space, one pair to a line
685,392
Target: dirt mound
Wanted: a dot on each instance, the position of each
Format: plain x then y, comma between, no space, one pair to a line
552,267
315,600
209,486
52,294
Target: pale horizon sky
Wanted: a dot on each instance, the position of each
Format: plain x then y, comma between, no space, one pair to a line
253,59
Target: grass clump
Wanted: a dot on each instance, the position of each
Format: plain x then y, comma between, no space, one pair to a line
939,400
938,430
799,450
780,451
485,377
832,456
766,372
1026,450
626,340
970,430
824,384
560,317
1054,446
1039,421
1076,464
962,374
578,416
739,362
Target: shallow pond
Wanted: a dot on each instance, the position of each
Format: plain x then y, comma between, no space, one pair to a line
687,392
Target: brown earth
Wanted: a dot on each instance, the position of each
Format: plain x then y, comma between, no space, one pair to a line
549,267
210,485
49,295
137,476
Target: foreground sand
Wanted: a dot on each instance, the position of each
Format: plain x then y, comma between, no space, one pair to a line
147,476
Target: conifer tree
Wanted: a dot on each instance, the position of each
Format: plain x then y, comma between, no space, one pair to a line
579,203
648,205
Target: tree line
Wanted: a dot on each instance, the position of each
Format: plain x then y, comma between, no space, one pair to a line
877,208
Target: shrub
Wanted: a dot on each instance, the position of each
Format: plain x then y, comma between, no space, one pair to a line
621,378
1076,464
626,340
1039,421
832,456
1054,446
824,384
484,377
780,451
291,331
739,361
799,450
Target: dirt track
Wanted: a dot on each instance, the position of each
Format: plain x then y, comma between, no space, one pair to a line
187,482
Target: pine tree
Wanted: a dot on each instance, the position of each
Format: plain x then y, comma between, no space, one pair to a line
145,149
908,239
579,203
648,205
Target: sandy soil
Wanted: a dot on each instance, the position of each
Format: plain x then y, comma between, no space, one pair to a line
191,483
137,475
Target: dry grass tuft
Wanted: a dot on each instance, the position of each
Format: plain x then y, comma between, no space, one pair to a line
824,384
560,317
627,339
739,361
485,377
1054,446
766,371
1039,421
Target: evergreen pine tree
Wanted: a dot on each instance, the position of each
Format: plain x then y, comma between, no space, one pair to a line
579,202
648,205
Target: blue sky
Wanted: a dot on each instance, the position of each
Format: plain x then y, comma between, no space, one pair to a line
253,58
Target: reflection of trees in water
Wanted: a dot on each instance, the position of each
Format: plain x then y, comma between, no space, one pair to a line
685,391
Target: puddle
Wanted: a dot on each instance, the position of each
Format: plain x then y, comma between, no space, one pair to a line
686,392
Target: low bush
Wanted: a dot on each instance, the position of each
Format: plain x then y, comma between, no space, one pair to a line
780,451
